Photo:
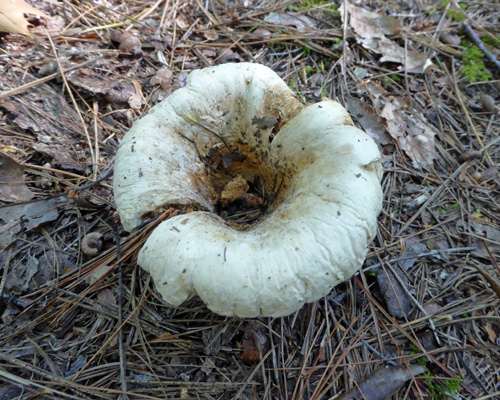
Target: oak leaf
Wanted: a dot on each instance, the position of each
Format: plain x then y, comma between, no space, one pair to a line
14,16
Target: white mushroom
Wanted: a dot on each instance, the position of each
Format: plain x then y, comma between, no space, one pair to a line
318,175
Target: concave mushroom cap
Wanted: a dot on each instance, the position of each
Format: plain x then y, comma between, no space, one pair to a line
322,174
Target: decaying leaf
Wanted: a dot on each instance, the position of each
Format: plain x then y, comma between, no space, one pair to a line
45,112
19,278
25,215
12,186
395,295
382,383
163,77
301,22
137,99
368,119
122,92
372,29
15,16
255,343
413,136
107,298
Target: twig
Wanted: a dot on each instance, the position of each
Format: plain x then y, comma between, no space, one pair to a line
97,181
480,45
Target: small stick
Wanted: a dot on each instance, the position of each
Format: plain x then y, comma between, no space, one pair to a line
480,45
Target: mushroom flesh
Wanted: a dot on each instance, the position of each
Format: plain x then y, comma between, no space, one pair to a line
287,196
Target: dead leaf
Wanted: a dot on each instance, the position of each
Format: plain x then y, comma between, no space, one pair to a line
120,92
255,343
163,77
423,150
382,383
492,236
45,112
14,16
301,22
12,186
27,216
372,29
369,121
413,136
107,298
370,24
137,99
395,295
490,328
98,273
494,282
229,56
19,278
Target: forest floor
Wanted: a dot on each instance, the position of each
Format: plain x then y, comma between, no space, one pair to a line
80,319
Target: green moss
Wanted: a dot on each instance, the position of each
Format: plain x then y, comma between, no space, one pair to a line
491,41
439,391
308,4
324,5
456,15
474,68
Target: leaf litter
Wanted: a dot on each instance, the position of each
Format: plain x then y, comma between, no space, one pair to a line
93,322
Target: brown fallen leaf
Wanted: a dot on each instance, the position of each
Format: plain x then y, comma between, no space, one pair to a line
413,135
120,92
107,298
396,297
137,99
382,382
368,119
12,186
255,343
14,16
53,120
25,215
372,29
163,77
299,21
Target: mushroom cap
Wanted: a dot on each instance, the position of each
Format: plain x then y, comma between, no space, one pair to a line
323,172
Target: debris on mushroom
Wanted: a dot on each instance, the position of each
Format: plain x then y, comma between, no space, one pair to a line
235,188
303,225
